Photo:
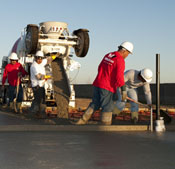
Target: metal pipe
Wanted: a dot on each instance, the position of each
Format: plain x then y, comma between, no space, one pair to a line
157,86
151,119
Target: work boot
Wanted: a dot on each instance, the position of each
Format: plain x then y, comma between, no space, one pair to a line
106,118
19,107
134,117
86,116
11,106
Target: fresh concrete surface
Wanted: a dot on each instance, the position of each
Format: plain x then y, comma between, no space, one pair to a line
87,150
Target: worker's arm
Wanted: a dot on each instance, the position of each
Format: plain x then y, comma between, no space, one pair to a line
40,76
120,67
119,73
147,92
123,88
124,93
128,76
22,71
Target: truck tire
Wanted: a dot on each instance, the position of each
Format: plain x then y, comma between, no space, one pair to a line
83,42
31,39
61,88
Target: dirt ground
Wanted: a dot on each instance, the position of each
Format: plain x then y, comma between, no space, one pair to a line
82,103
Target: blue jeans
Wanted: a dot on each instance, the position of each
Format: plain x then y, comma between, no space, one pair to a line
102,99
132,93
39,99
12,93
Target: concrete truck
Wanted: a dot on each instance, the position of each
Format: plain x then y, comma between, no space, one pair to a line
50,38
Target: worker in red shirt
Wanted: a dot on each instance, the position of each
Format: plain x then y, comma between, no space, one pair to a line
110,76
14,71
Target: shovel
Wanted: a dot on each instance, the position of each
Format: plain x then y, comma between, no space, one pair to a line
17,91
167,118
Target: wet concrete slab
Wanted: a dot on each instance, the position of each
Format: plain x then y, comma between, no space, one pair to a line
84,150
30,143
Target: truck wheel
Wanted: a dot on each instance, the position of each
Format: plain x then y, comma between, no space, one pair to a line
82,47
31,39
61,88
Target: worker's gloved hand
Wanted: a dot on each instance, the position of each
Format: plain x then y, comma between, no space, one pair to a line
124,96
39,76
47,77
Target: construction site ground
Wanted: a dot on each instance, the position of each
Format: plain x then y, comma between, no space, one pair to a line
28,143
10,121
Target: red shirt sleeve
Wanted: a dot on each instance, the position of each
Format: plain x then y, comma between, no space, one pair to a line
22,70
120,68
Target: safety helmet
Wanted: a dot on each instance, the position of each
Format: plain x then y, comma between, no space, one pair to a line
13,56
146,74
39,54
128,46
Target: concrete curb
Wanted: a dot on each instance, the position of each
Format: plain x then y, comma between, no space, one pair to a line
84,128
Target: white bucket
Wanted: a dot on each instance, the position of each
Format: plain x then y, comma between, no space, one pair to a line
160,126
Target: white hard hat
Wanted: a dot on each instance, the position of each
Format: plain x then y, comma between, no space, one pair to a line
39,54
13,56
128,46
146,74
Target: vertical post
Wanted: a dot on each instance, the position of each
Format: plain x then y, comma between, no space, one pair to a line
151,118
157,86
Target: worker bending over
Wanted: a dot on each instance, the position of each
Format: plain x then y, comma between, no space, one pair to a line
110,76
13,72
133,80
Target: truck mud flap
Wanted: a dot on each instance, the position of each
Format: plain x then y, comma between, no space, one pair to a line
61,88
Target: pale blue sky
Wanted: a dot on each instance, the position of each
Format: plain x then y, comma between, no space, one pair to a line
148,24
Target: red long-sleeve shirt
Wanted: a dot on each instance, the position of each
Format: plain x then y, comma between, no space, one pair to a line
11,72
110,72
